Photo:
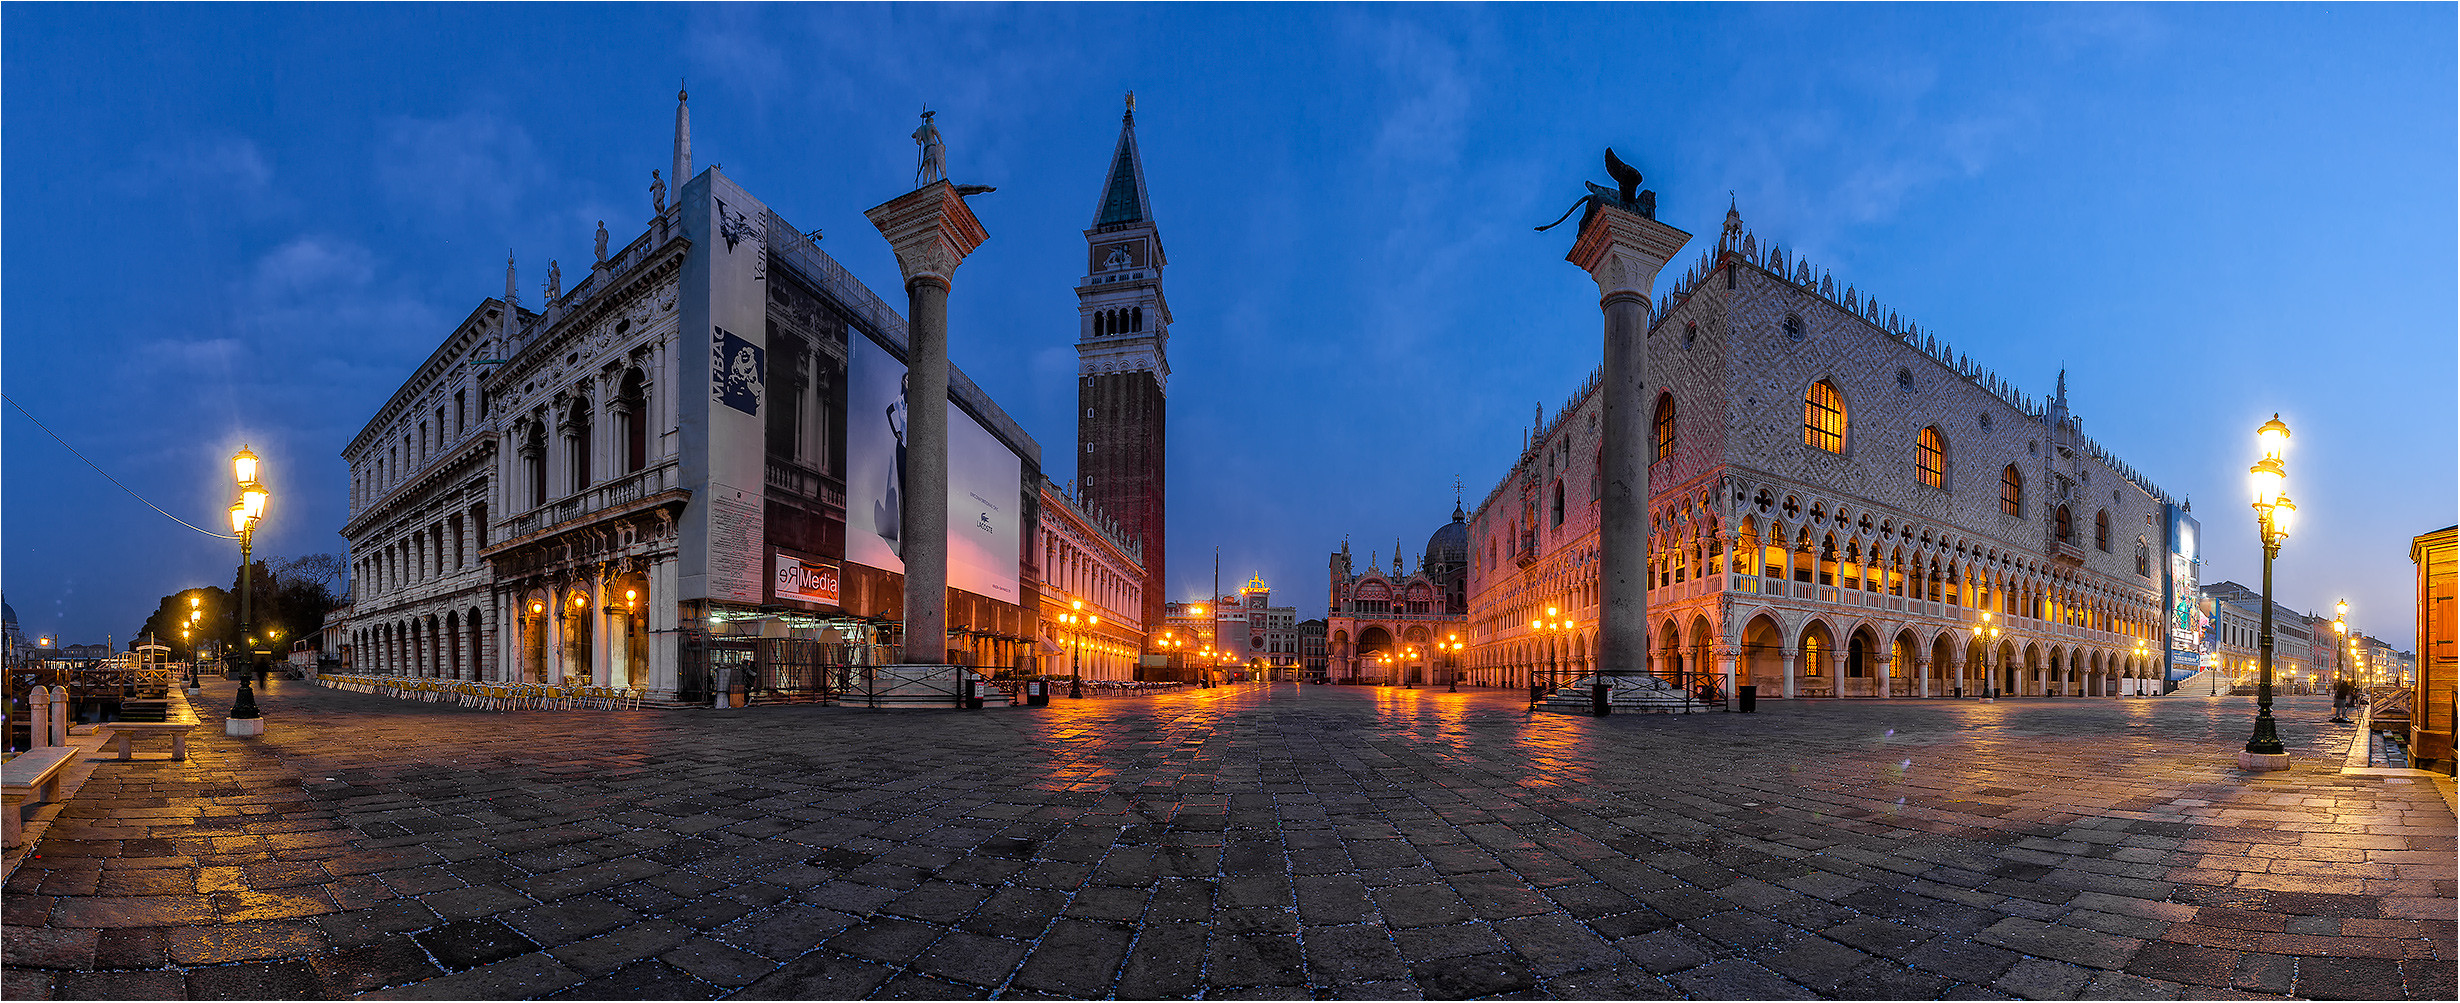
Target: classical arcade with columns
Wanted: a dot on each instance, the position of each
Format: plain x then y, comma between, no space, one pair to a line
1840,505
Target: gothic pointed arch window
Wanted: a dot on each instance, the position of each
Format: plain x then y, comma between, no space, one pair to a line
1823,417
1136,318
2011,491
2143,558
2065,525
1663,426
2101,530
1930,458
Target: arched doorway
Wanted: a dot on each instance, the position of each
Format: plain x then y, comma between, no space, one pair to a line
1862,673
1373,643
572,661
534,640
627,655
1815,661
1903,663
1417,652
1763,656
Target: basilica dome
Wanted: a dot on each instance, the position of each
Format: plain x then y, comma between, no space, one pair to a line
1449,547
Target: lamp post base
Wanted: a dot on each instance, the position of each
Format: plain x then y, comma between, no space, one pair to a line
243,727
2262,762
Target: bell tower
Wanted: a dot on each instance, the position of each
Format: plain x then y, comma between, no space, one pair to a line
1123,371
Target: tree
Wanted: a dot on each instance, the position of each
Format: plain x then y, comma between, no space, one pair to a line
292,596
216,622
306,593
260,605
324,571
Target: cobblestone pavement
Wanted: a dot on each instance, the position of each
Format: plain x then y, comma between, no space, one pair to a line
1260,842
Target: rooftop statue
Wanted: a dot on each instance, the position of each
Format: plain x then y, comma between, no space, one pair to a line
934,165
1626,195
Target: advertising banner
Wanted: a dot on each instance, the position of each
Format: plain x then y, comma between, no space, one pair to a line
724,305
983,522
809,579
2189,618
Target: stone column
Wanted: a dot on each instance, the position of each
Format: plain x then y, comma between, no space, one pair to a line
603,630
1725,668
1921,675
507,620
931,231
1887,682
1622,249
665,644
619,647
551,661
662,401
1789,671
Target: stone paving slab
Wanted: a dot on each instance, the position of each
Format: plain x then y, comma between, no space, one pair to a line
1265,842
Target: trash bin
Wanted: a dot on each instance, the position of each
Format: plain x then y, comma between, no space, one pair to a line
1601,702
1749,696
974,696
1037,694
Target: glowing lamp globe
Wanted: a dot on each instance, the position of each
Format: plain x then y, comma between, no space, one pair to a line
2274,436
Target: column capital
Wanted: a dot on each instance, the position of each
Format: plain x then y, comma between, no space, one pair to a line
1622,250
931,230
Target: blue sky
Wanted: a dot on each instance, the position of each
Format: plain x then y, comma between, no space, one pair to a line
251,223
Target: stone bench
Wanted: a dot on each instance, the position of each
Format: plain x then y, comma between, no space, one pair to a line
33,774
177,726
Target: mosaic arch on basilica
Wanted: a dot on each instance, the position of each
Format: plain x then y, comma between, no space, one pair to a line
1841,506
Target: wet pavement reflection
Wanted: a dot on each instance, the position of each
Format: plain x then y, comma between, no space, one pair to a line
1265,840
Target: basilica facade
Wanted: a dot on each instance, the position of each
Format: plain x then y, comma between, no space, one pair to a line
1398,628
1841,505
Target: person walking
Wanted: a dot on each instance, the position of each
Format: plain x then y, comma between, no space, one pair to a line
2343,694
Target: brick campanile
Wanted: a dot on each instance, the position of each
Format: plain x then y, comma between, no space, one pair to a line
1123,370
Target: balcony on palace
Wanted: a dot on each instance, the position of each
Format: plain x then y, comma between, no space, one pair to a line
603,497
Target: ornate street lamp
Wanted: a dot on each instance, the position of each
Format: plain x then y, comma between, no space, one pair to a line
2340,642
1077,622
245,719
1549,626
1451,647
1989,633
2273,514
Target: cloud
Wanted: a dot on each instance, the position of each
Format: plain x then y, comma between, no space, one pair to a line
736,47
471,164
227,170
1429,78
1865,134
2069,30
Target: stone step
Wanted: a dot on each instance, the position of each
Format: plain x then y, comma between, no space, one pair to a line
1632,694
